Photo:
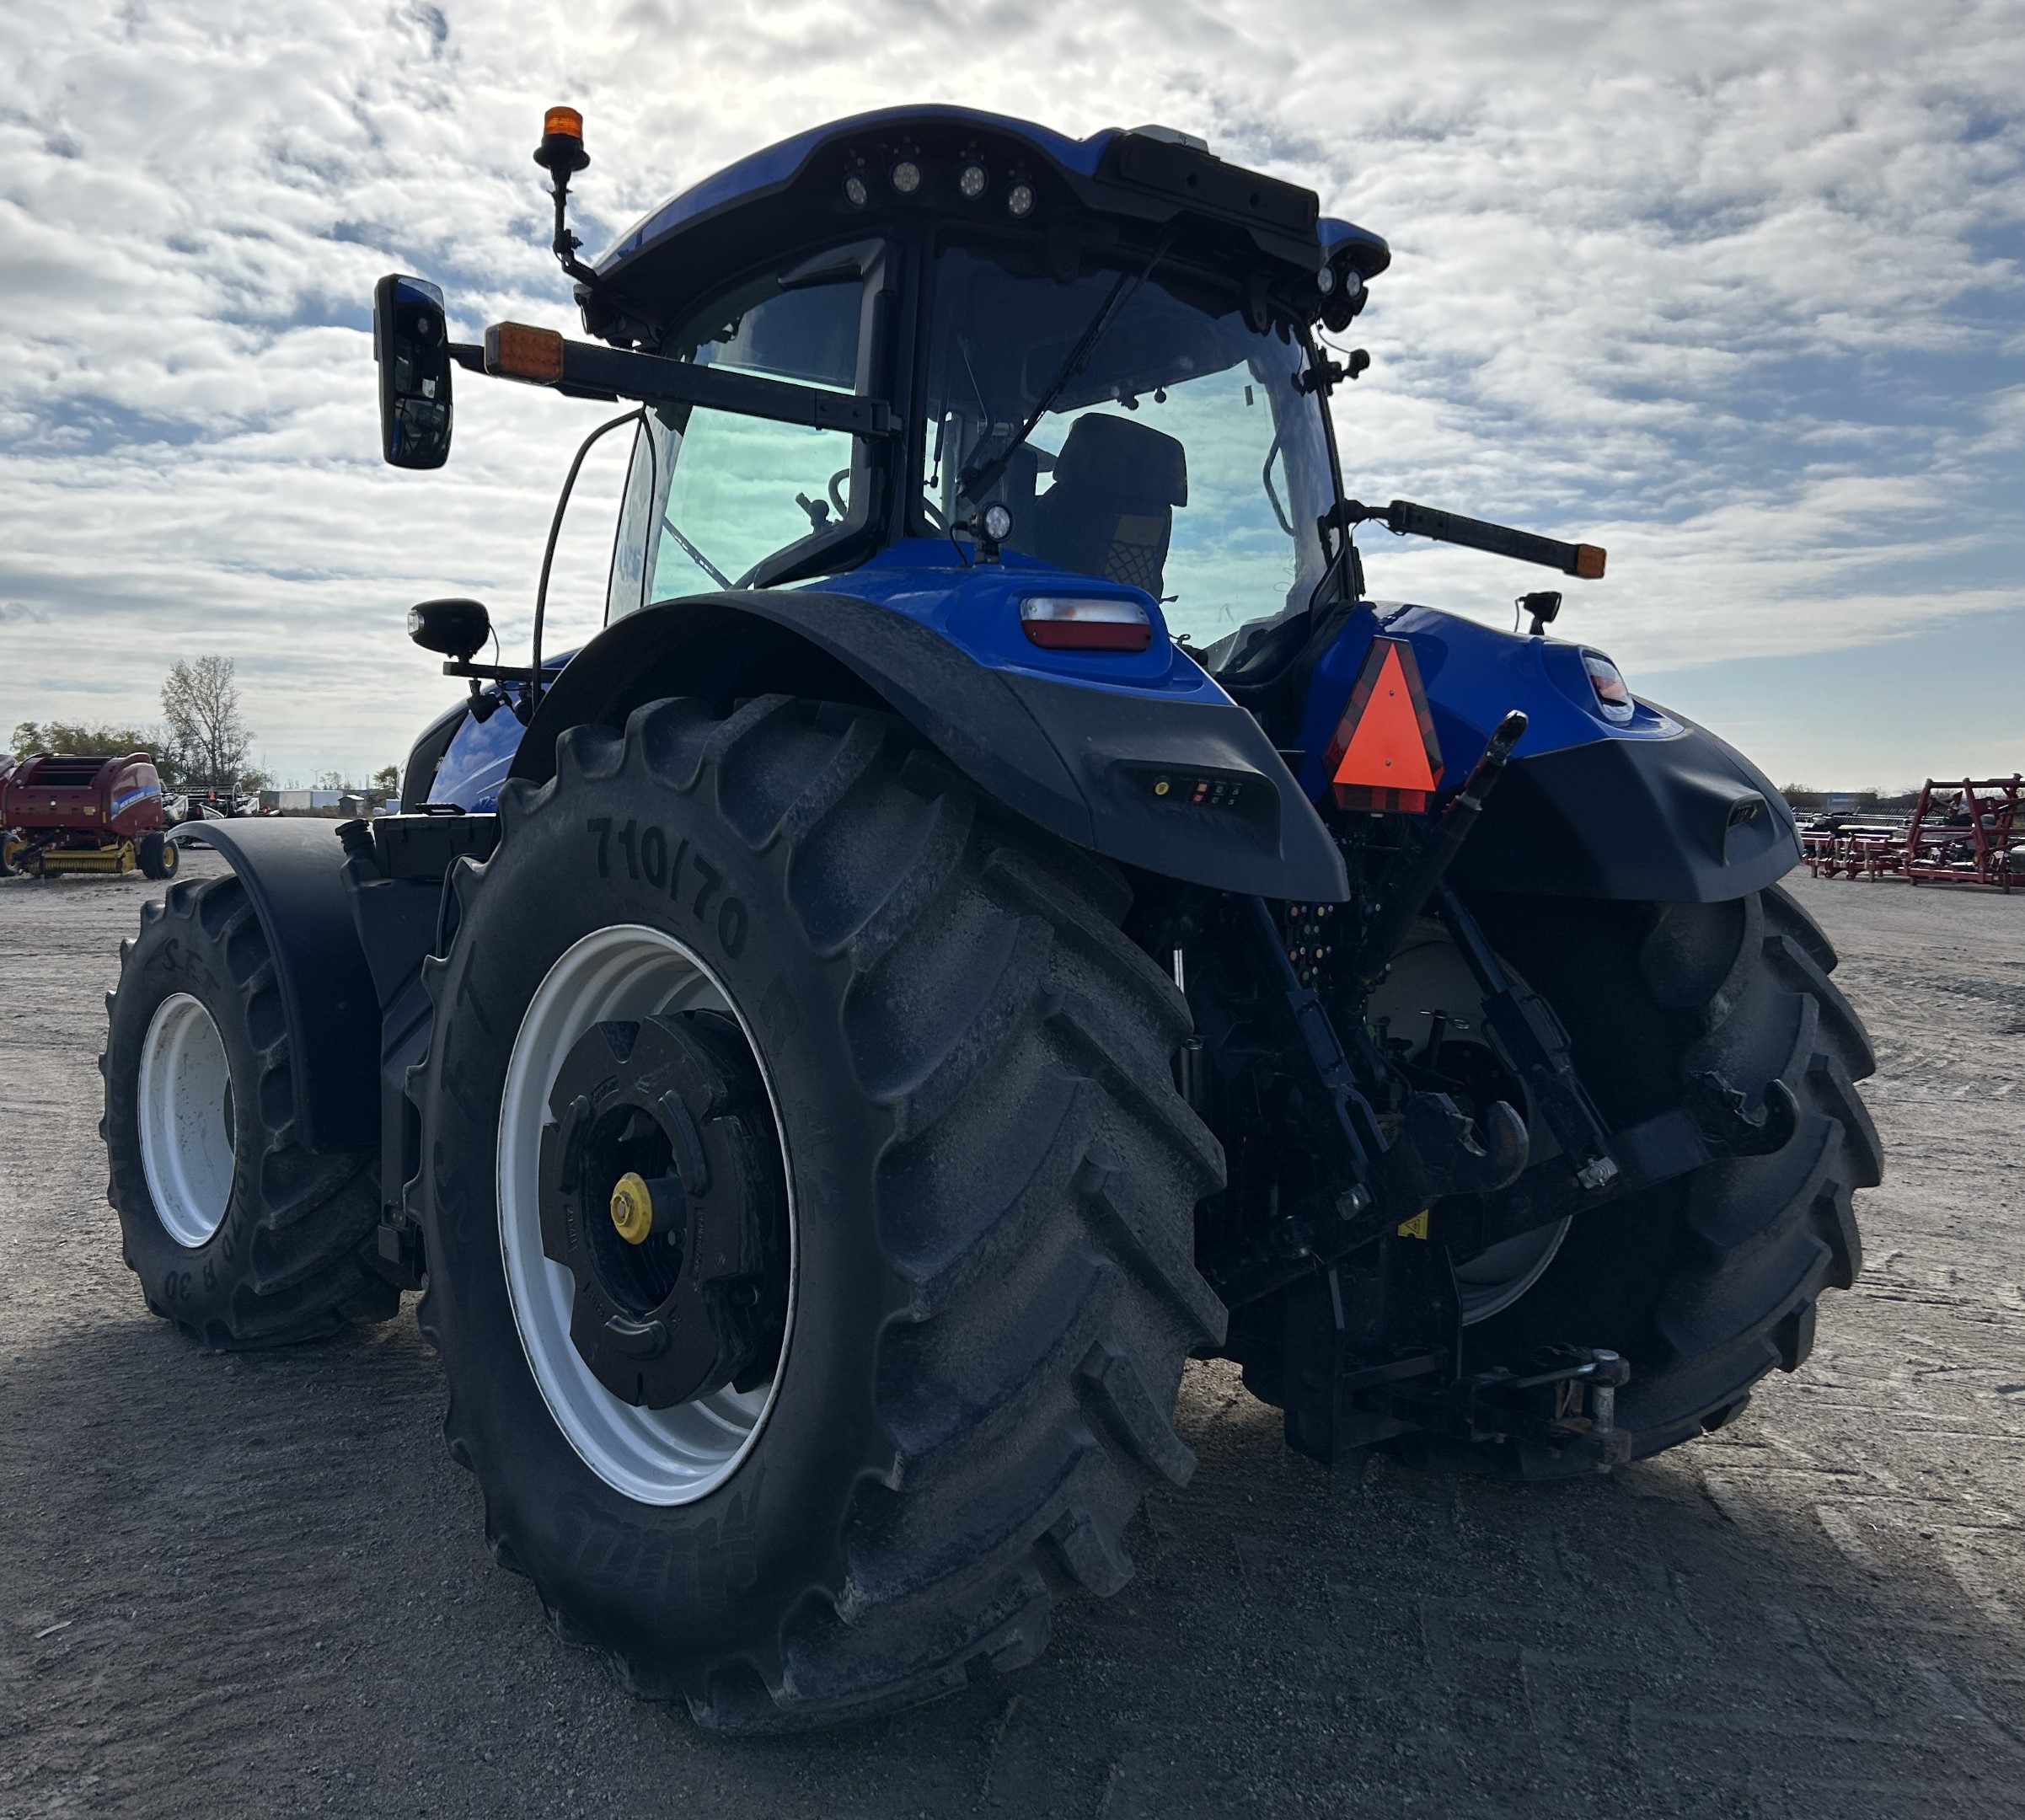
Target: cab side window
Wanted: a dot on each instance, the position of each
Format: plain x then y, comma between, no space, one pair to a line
714,496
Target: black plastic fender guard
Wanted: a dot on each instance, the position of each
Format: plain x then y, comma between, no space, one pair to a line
1085,763
1684,820
294,874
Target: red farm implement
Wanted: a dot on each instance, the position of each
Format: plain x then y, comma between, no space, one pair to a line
1959,832
91,814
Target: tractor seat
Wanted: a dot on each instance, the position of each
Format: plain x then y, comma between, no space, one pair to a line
1111,510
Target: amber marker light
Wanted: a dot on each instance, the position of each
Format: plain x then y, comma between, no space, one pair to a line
514,351
564,120
1588,562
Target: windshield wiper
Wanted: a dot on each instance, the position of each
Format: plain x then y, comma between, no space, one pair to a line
695,555
974,482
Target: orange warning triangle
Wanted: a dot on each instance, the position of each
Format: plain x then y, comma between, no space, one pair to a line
1387,749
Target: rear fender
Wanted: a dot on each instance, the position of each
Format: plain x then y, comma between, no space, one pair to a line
1656,809
1085,761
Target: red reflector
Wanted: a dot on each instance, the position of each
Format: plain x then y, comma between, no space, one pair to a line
1384,754
1063,623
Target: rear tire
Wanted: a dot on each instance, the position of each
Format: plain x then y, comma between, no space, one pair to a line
1707,1282
237,1234
991,1181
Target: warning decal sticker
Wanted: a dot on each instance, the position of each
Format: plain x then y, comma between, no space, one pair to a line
1384,754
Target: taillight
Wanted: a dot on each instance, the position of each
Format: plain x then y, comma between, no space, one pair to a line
1613,699
1065,623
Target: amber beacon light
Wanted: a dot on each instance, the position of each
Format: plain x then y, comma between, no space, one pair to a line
561,150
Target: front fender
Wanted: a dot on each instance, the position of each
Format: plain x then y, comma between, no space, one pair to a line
1087,762
294,875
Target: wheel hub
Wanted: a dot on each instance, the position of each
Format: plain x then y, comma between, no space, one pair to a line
188,1131
633,1209
660,1194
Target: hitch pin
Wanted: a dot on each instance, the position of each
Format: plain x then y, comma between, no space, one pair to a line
1607,1372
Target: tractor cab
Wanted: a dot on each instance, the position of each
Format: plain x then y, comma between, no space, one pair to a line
971,370
1100,357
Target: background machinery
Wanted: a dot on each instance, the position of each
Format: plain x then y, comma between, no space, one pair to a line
60,813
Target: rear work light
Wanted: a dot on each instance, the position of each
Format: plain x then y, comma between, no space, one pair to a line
1058,622
1613,699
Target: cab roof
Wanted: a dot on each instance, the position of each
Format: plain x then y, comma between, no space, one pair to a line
770,200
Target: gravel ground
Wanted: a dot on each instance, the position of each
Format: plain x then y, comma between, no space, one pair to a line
256,1586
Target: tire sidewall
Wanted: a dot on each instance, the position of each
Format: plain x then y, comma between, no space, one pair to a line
725,1569
193,1285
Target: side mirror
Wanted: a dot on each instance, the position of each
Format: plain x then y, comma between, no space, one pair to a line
412,343
455,628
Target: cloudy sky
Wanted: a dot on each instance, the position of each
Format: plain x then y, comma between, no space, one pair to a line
1736,289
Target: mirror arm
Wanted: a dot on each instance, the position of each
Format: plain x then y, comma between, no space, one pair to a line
583,369
469,355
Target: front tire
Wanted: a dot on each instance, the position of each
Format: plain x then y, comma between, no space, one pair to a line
237,1234
989,1180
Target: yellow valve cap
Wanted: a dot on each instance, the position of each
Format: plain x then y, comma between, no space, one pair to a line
515,350
633,1208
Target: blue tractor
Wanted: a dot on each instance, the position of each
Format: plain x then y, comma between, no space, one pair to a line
997,913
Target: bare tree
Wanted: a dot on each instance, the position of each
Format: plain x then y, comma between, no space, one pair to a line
201,702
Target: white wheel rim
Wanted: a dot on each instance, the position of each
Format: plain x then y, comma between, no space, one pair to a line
1429,974
187,1135
660,1457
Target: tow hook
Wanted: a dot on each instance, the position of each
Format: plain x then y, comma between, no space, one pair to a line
1566,1405
1598,1380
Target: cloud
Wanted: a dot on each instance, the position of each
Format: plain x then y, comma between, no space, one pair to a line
1731,288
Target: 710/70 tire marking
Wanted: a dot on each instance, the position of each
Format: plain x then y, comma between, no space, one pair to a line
648,860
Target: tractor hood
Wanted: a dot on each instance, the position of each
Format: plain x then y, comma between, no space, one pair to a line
956,163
